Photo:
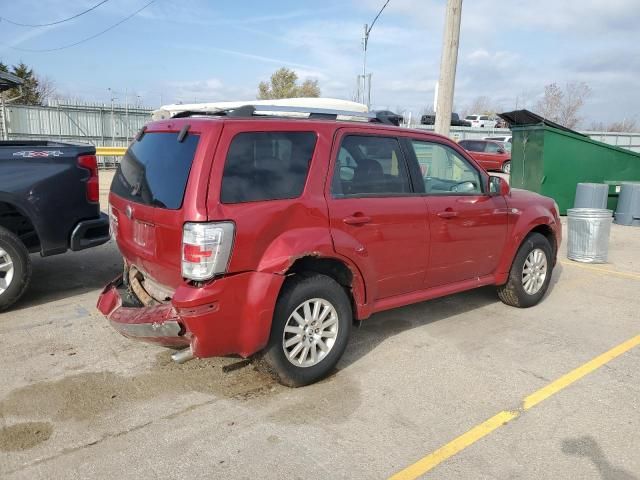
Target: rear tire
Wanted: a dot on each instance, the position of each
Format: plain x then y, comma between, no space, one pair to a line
310,329
530,273
15,268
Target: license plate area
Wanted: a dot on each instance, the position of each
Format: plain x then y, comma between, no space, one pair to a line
144,235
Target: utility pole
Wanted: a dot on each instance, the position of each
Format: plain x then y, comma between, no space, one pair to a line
364,93
448,62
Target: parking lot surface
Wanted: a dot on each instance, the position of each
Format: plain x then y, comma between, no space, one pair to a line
77,400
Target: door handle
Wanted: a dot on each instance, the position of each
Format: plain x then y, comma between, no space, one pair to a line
447,214
356,219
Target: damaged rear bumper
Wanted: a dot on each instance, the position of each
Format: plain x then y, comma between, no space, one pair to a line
157,324
231,315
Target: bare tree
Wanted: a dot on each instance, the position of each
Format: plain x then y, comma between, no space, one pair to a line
46,89
575,94
624,125
563,106
482,105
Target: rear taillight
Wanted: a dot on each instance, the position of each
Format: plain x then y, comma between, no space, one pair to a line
90,162
206,248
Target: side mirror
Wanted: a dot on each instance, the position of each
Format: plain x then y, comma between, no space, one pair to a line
501,150
498,186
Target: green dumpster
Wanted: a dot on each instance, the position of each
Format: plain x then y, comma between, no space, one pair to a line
550,159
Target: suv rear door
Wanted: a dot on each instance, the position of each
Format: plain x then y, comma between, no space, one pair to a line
468,226
377,219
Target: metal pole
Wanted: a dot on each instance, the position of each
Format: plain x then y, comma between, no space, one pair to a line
366,90
126,112
365,39
448,62
3,127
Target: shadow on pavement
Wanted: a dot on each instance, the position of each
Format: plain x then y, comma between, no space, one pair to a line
70,274
381,326
588,447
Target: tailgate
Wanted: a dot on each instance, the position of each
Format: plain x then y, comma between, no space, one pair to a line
156,189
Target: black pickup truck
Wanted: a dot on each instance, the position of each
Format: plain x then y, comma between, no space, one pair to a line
49,203
456,121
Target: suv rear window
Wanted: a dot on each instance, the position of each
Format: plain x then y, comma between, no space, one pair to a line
266,166
155,169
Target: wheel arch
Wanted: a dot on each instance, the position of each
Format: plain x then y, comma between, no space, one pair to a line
17,221
344,274
520,233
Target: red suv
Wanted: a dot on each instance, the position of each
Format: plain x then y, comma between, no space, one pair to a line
491,155
245,234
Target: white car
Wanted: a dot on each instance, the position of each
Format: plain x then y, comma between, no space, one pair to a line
499,138
481,121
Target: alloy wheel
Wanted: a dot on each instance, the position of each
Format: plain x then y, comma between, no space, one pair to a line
6,271
310,332
534,272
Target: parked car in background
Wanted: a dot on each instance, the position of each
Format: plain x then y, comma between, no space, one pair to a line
499,138
481,121
430,119
392,117
245,234
48,203
491,155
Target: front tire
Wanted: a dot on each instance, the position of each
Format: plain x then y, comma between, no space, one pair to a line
530,273
506,167
310,329
15,268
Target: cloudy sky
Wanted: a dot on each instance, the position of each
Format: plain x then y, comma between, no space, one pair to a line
218,50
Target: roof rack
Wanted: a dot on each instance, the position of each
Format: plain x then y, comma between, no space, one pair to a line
272,110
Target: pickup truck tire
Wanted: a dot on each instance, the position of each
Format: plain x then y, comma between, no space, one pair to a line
310,330
15,268
530,273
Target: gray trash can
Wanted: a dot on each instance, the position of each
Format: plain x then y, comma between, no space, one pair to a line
591,195
628,209
588,234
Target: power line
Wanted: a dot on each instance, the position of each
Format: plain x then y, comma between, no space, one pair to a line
3,19
34,50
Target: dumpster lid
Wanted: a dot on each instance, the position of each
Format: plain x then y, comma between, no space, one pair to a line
9,80
526,117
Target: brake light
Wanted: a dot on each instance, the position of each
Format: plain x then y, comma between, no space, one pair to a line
206,248
90,162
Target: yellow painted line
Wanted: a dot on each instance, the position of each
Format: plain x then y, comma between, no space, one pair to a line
455,446
463,441
575,375
111,151
604,271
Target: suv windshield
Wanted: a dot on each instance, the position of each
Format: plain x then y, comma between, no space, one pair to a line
155,169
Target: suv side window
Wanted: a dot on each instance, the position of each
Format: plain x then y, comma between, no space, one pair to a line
444,171
491,147
266,166
370,166
472,145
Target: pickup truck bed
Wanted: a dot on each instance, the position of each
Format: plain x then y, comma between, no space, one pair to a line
48,200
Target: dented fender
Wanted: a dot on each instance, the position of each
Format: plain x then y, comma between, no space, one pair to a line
293,245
